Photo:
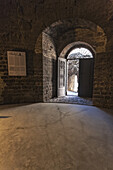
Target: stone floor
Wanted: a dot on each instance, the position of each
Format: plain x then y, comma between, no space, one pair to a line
72,99
55,137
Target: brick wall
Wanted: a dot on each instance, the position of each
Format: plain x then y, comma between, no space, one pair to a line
20,89
22,23
103,80
49,68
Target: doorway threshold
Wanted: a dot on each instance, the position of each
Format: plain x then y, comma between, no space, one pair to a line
72,99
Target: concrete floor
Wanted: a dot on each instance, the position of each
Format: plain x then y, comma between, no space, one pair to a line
55,137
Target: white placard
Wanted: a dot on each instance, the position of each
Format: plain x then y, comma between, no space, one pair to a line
16,63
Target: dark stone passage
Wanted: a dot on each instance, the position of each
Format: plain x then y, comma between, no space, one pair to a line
39,131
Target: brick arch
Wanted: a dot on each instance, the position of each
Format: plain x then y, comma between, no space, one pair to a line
57,27
62,33
94,11
97,39
65,52
63,26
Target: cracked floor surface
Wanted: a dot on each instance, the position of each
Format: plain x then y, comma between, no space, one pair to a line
55,137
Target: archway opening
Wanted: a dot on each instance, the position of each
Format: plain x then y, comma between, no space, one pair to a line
80,72
58,40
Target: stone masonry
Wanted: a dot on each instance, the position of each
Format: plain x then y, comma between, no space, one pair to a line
23,24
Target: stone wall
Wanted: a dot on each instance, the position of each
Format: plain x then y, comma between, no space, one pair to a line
20,89
103,80
49,68
97,39
22,24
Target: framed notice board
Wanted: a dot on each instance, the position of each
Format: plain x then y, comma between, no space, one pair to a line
16,63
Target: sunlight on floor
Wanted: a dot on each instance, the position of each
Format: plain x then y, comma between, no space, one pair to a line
70,93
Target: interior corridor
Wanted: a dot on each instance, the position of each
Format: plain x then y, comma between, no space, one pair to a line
55,137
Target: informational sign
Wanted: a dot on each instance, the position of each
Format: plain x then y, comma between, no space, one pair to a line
16,63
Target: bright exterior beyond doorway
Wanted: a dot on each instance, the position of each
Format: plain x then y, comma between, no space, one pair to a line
73,68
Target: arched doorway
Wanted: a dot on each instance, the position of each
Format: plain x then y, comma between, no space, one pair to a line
76,71
80,72
58,41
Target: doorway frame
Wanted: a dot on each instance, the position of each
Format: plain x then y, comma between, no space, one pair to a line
77,44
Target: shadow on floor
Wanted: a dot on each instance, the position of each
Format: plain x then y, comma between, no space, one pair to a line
8,106
4,117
